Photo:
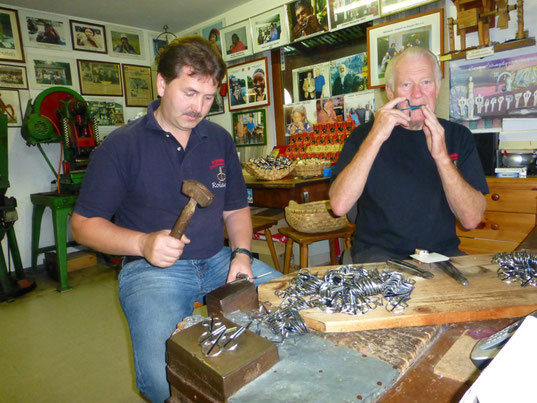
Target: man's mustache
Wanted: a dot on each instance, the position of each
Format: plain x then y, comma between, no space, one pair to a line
194,114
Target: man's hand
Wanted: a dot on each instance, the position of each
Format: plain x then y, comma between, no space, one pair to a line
434,135
387,118
241,264
311,25
161,249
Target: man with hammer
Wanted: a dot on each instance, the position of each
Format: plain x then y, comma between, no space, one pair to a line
138,182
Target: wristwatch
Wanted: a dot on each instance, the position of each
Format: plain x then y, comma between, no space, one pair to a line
241,250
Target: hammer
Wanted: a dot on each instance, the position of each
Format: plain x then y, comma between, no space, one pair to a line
198,194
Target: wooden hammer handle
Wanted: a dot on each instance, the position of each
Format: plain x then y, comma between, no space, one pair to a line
182,222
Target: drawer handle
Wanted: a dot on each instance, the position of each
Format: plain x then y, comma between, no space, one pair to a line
495,227
495,196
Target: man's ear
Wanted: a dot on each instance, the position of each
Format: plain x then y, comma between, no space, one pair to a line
161,84
389,92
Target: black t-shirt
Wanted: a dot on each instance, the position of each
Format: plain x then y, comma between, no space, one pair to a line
403,205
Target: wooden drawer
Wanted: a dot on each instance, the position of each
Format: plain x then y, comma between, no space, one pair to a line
474,246
518,197
513,227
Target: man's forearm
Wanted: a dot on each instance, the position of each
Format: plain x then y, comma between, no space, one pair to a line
239,228
466,203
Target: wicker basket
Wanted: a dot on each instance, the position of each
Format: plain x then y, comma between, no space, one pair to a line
313,217
311,169
268,174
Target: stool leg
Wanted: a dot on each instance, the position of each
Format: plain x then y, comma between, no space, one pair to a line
59,216
333,257
348,242
270,244
288,254
37,215
303,256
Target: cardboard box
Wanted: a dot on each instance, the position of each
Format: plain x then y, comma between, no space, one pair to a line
75,261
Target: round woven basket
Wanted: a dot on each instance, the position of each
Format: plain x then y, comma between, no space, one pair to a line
314,169
268,174
313,217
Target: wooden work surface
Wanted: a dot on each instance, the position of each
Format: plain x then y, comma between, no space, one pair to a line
279,193
436,301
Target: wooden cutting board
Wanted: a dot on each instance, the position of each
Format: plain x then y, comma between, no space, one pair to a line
436,301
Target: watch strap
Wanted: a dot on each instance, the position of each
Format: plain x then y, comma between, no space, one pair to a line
242,250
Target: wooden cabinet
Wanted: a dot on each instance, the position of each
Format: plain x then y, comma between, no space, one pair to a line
510,216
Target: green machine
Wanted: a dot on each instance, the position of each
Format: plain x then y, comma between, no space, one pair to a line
61,115
10,286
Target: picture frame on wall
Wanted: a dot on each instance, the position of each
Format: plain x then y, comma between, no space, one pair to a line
388,7
248,85
236,41
307,18
385,40
137,83
125,42
11,106
212,33
106,112
13,76
352,12
99,78
305,89
11,48
250,128
157,42
88,37
269,30
45,72
42,30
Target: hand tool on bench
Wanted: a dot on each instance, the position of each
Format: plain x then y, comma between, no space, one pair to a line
410,268
450,269
198,194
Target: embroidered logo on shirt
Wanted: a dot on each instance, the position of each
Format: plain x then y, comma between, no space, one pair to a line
217,163
221,176
454,158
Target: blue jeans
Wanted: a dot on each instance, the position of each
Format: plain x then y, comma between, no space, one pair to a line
155,300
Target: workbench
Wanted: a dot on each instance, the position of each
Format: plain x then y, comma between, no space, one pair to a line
426,359
278,193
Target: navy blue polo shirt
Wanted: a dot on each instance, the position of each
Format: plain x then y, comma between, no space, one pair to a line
135,176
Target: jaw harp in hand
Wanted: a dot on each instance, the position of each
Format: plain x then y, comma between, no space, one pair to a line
410,268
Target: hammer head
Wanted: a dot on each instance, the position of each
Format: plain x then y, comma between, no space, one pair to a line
198,192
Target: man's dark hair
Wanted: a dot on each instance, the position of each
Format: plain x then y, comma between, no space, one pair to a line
191,51
235,36
304,3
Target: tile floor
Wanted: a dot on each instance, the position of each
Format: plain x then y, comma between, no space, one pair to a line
67,347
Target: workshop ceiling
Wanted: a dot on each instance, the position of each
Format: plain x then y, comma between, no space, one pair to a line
148,14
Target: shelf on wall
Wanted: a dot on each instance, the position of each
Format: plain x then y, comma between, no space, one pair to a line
514,44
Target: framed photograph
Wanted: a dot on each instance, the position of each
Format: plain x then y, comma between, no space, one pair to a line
236,41
10,40
126,42
137,82
41,30
212,33
352,12
250,128
106,112
10,105
299,117
157,42
13,76
329,110
307,18
388,7
99,78
248,85
88,37
311,82
360,107
46,72
385,40
482,92
348,74
269,30
217,107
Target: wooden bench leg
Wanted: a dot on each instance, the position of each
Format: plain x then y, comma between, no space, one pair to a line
348,242
333,256
270,244
303,256
288,254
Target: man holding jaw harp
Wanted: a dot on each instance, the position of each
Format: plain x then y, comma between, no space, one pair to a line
412,174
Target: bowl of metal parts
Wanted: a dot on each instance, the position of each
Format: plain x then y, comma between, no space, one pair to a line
313,217
270,168
311,167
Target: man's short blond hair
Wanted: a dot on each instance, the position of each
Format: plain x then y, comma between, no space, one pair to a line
414,52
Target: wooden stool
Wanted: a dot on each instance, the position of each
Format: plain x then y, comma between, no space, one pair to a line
305,239
263,224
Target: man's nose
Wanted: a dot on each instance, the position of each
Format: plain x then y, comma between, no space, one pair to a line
416,92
